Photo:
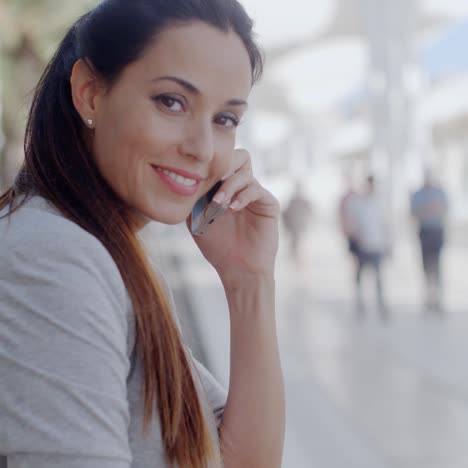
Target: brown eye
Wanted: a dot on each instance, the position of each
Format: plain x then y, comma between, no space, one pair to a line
228,121
170,102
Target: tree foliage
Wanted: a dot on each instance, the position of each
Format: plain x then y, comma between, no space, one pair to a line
29,32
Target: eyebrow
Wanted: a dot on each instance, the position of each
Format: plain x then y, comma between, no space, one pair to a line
193,90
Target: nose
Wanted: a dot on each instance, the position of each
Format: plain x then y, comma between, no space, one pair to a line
199,140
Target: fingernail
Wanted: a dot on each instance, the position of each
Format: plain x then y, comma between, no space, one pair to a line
219,197
234,204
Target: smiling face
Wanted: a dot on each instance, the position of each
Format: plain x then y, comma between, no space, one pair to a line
165,131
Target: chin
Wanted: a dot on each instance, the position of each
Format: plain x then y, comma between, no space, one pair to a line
167,217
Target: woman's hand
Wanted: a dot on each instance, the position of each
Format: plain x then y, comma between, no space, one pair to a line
244,239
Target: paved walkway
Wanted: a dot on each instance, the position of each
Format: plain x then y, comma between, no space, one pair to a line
361,393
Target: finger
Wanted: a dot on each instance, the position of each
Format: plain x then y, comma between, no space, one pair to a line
244,197
188,220
240,161
234,184
258,196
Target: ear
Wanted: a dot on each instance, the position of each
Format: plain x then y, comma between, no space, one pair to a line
85,88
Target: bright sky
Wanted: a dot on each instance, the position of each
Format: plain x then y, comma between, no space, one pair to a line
296,18
314,78
278,22
452,7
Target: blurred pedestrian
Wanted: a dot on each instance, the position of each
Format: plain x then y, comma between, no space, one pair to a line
429,206
348,222
297,217
372,237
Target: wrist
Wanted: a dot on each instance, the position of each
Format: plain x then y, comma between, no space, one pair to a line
250,296
234,281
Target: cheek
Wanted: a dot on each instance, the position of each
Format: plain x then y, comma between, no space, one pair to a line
224,162
119,148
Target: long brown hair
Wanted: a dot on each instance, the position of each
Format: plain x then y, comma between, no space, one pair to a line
59,167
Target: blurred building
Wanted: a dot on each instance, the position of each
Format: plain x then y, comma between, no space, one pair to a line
393,106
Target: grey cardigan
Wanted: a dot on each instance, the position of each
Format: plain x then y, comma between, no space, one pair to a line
70,383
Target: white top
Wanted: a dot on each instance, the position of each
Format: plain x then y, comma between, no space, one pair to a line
70,383
370,224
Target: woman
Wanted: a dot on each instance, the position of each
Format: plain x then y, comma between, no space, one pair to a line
133,120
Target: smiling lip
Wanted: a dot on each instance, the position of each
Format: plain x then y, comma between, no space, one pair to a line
175,186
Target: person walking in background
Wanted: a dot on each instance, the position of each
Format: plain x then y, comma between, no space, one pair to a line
429,206
372,241
347,221
297,217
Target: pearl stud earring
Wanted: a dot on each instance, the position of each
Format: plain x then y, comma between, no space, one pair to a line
90,122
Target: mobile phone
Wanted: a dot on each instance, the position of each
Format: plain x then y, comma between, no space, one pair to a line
206,211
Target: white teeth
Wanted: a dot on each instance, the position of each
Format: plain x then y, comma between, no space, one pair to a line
178,178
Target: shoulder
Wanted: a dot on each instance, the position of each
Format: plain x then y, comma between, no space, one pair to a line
49,258
64,310
38,222
37,233
441,192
